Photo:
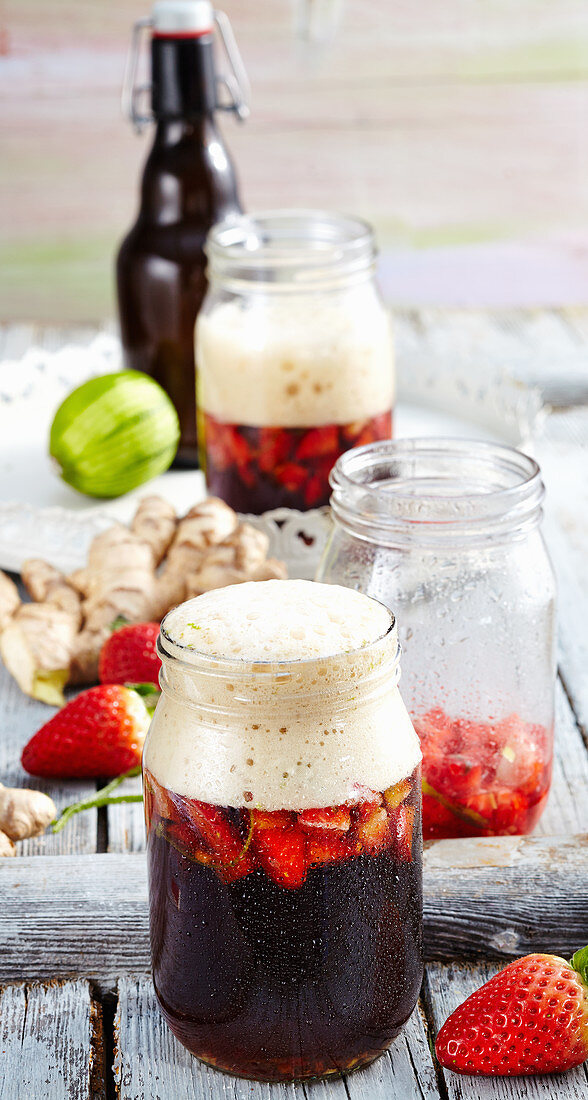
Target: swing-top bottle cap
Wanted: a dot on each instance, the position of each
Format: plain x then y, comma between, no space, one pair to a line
182,18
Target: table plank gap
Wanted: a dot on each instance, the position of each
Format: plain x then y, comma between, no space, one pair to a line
126,821
47,1035
446,986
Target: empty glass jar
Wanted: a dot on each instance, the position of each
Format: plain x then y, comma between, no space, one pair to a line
447,534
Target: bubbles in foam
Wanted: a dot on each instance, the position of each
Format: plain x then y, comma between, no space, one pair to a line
317,733
277,621
304,361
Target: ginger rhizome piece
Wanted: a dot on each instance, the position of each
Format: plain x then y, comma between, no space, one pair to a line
137,573
7,848
23,813
36,647
242,556
9,599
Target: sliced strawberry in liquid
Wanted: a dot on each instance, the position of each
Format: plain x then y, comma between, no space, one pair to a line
282,855
330,848
272,819
230,854
336,818
402,821
373,827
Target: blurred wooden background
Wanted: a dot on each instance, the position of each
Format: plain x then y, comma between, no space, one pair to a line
460,127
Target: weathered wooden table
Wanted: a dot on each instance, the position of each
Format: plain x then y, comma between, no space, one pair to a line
78,1017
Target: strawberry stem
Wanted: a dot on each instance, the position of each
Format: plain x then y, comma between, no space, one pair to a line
579,961
103,797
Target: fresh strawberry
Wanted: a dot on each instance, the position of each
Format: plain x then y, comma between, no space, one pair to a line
335,818
330,848
373,827
281,854
129,656
98,734
532,1017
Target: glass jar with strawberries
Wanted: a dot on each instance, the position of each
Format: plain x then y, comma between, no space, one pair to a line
294,355
282,798
446,532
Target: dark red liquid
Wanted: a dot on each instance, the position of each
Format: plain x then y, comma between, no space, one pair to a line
278,983
257,469
482,778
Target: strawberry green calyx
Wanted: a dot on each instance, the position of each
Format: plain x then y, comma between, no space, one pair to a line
103,797
118,623
579,962
148,693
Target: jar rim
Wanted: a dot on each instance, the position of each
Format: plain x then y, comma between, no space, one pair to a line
277,684
424,489
296,247
236,668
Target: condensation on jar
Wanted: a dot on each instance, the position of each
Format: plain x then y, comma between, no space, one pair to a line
446,533
282,794
294,354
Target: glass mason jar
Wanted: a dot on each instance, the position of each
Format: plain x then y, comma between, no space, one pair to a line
294,354
446,532
282,798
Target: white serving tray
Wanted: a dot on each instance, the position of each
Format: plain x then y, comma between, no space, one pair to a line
40,516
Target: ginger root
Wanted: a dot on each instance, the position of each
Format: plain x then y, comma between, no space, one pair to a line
45,584
24,813
155,522
9,599
204,526
7,848
242,556
36,647
137,573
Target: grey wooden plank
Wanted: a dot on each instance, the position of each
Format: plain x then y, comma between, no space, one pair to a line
505,896
73,915
151,1065
47,1038
405,1071
20,717
567,806
497,896
446,986
126,821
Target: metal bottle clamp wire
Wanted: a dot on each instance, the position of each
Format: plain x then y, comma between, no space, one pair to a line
236,81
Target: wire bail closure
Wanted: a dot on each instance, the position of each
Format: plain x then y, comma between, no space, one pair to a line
235,81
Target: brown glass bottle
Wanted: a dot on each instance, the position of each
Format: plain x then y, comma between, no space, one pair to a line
188,184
